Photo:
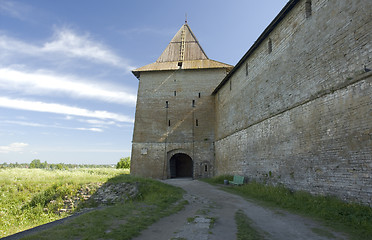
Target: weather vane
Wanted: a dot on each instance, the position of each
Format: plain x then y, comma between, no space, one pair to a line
185,17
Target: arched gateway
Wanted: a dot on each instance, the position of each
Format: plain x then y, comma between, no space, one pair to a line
181,165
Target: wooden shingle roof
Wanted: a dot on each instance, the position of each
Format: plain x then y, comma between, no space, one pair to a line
183,52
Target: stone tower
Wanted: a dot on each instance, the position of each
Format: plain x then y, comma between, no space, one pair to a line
174,123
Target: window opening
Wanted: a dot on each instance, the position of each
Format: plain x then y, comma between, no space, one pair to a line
270,46
308,8
196,122
205,168
193,103
230,85
199,95
175,93
169,123
166,104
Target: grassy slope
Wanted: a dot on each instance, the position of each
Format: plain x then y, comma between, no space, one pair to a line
22,190
121,221
352,218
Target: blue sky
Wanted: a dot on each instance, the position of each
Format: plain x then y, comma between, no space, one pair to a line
67,93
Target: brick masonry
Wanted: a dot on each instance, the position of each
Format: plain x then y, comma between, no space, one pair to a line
301,115
168,105
296,110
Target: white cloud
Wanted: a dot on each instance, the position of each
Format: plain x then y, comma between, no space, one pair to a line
61,109
94,121
100,123
66,43
10,45
32,124
90,129
47,83
22,123
13,147
14,9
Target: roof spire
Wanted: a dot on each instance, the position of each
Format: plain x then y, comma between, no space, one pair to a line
183,47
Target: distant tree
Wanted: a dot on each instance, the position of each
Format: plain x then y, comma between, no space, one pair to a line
59,166
123,163
35,163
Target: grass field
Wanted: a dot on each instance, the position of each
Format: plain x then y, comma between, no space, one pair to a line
30,197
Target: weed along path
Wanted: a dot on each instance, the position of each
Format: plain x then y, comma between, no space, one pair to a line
210,214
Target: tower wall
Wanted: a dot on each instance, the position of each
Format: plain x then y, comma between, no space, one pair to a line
174,114
298,110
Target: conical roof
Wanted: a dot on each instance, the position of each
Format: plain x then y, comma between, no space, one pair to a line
183,47
183,52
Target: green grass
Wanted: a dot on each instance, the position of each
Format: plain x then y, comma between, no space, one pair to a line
245,230
25,194
324,233
351,218
122,220
218,179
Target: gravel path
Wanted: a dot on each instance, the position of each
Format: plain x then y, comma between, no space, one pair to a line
210,215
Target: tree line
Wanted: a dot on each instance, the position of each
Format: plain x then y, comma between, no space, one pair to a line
36,163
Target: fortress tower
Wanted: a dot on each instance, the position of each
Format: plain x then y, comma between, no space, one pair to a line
174,123
296,109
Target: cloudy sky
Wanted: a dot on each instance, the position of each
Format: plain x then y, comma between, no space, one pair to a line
67,93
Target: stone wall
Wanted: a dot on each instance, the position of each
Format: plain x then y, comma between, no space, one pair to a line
174,113
298,111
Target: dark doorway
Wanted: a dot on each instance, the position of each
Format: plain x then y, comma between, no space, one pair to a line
180,166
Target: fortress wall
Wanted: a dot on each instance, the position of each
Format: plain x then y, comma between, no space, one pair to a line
160,129
149,160
301,115
157,88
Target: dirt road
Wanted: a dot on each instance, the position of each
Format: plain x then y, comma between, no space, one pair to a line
210,215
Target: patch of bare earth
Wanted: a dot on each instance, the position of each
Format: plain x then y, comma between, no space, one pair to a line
210,215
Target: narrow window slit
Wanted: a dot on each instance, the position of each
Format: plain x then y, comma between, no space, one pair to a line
175,93
196,122
193,103
169,123
270,45
308,8
166,104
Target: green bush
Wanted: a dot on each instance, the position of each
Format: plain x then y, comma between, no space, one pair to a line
123,163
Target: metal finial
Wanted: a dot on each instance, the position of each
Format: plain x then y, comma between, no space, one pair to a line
185,18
